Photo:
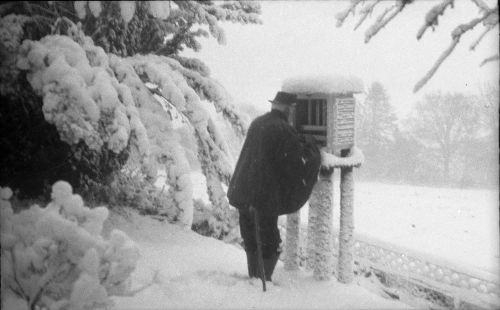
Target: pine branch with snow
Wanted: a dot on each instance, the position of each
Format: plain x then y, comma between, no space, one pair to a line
140,108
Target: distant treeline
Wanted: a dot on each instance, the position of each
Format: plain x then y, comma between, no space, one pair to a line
449,139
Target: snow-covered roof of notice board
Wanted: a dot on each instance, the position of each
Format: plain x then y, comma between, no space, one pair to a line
326,84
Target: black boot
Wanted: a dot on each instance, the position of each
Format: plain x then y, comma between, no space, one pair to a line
252,264
270,264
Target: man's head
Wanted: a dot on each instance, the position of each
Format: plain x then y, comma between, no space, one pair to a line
284,102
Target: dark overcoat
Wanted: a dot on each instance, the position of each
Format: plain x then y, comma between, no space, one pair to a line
277,167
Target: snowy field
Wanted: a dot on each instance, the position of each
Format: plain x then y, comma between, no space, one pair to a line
455,225
194,271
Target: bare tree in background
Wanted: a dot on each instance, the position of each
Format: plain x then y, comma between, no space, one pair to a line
446,123
486,15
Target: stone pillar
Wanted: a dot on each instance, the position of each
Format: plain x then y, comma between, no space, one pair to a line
312,222
346,236
292,241
322,201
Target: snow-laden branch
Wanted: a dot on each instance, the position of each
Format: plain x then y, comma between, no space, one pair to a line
456,35
365,11
382,20
480,4
355,159
436,65
343,15
489,18
431,18
490,59
210,89
478,40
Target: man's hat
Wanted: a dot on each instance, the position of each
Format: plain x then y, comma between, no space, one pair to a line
284,98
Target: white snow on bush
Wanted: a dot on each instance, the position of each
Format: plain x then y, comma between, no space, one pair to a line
95,8
127,10
159,9
81,95
11,31
56,257
322,84
5,193
80,8
103,101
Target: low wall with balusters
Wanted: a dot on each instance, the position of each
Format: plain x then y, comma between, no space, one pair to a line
464,284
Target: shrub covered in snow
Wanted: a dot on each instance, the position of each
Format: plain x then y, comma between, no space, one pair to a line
142,113
55,257
81,96
208,221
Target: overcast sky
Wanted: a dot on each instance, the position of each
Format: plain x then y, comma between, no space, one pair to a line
301,37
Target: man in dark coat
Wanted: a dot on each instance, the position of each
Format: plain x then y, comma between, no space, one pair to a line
275,174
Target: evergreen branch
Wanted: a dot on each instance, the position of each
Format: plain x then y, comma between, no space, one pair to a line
6,7
431,18
490,59
30,5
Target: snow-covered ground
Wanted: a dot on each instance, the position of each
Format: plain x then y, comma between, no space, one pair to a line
193,271
455,225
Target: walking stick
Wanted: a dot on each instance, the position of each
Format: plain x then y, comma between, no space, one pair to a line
260,259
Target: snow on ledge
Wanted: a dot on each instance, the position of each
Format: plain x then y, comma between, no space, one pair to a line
354,160
326,84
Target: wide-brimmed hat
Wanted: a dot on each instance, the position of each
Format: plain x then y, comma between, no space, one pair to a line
284,98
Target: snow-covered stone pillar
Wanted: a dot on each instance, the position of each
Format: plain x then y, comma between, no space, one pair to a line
312,221
292,241
346,237
322,200
292,246
353,158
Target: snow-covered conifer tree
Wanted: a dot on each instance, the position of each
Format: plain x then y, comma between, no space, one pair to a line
80,66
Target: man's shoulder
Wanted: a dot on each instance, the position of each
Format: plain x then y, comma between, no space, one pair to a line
270,119
262,118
